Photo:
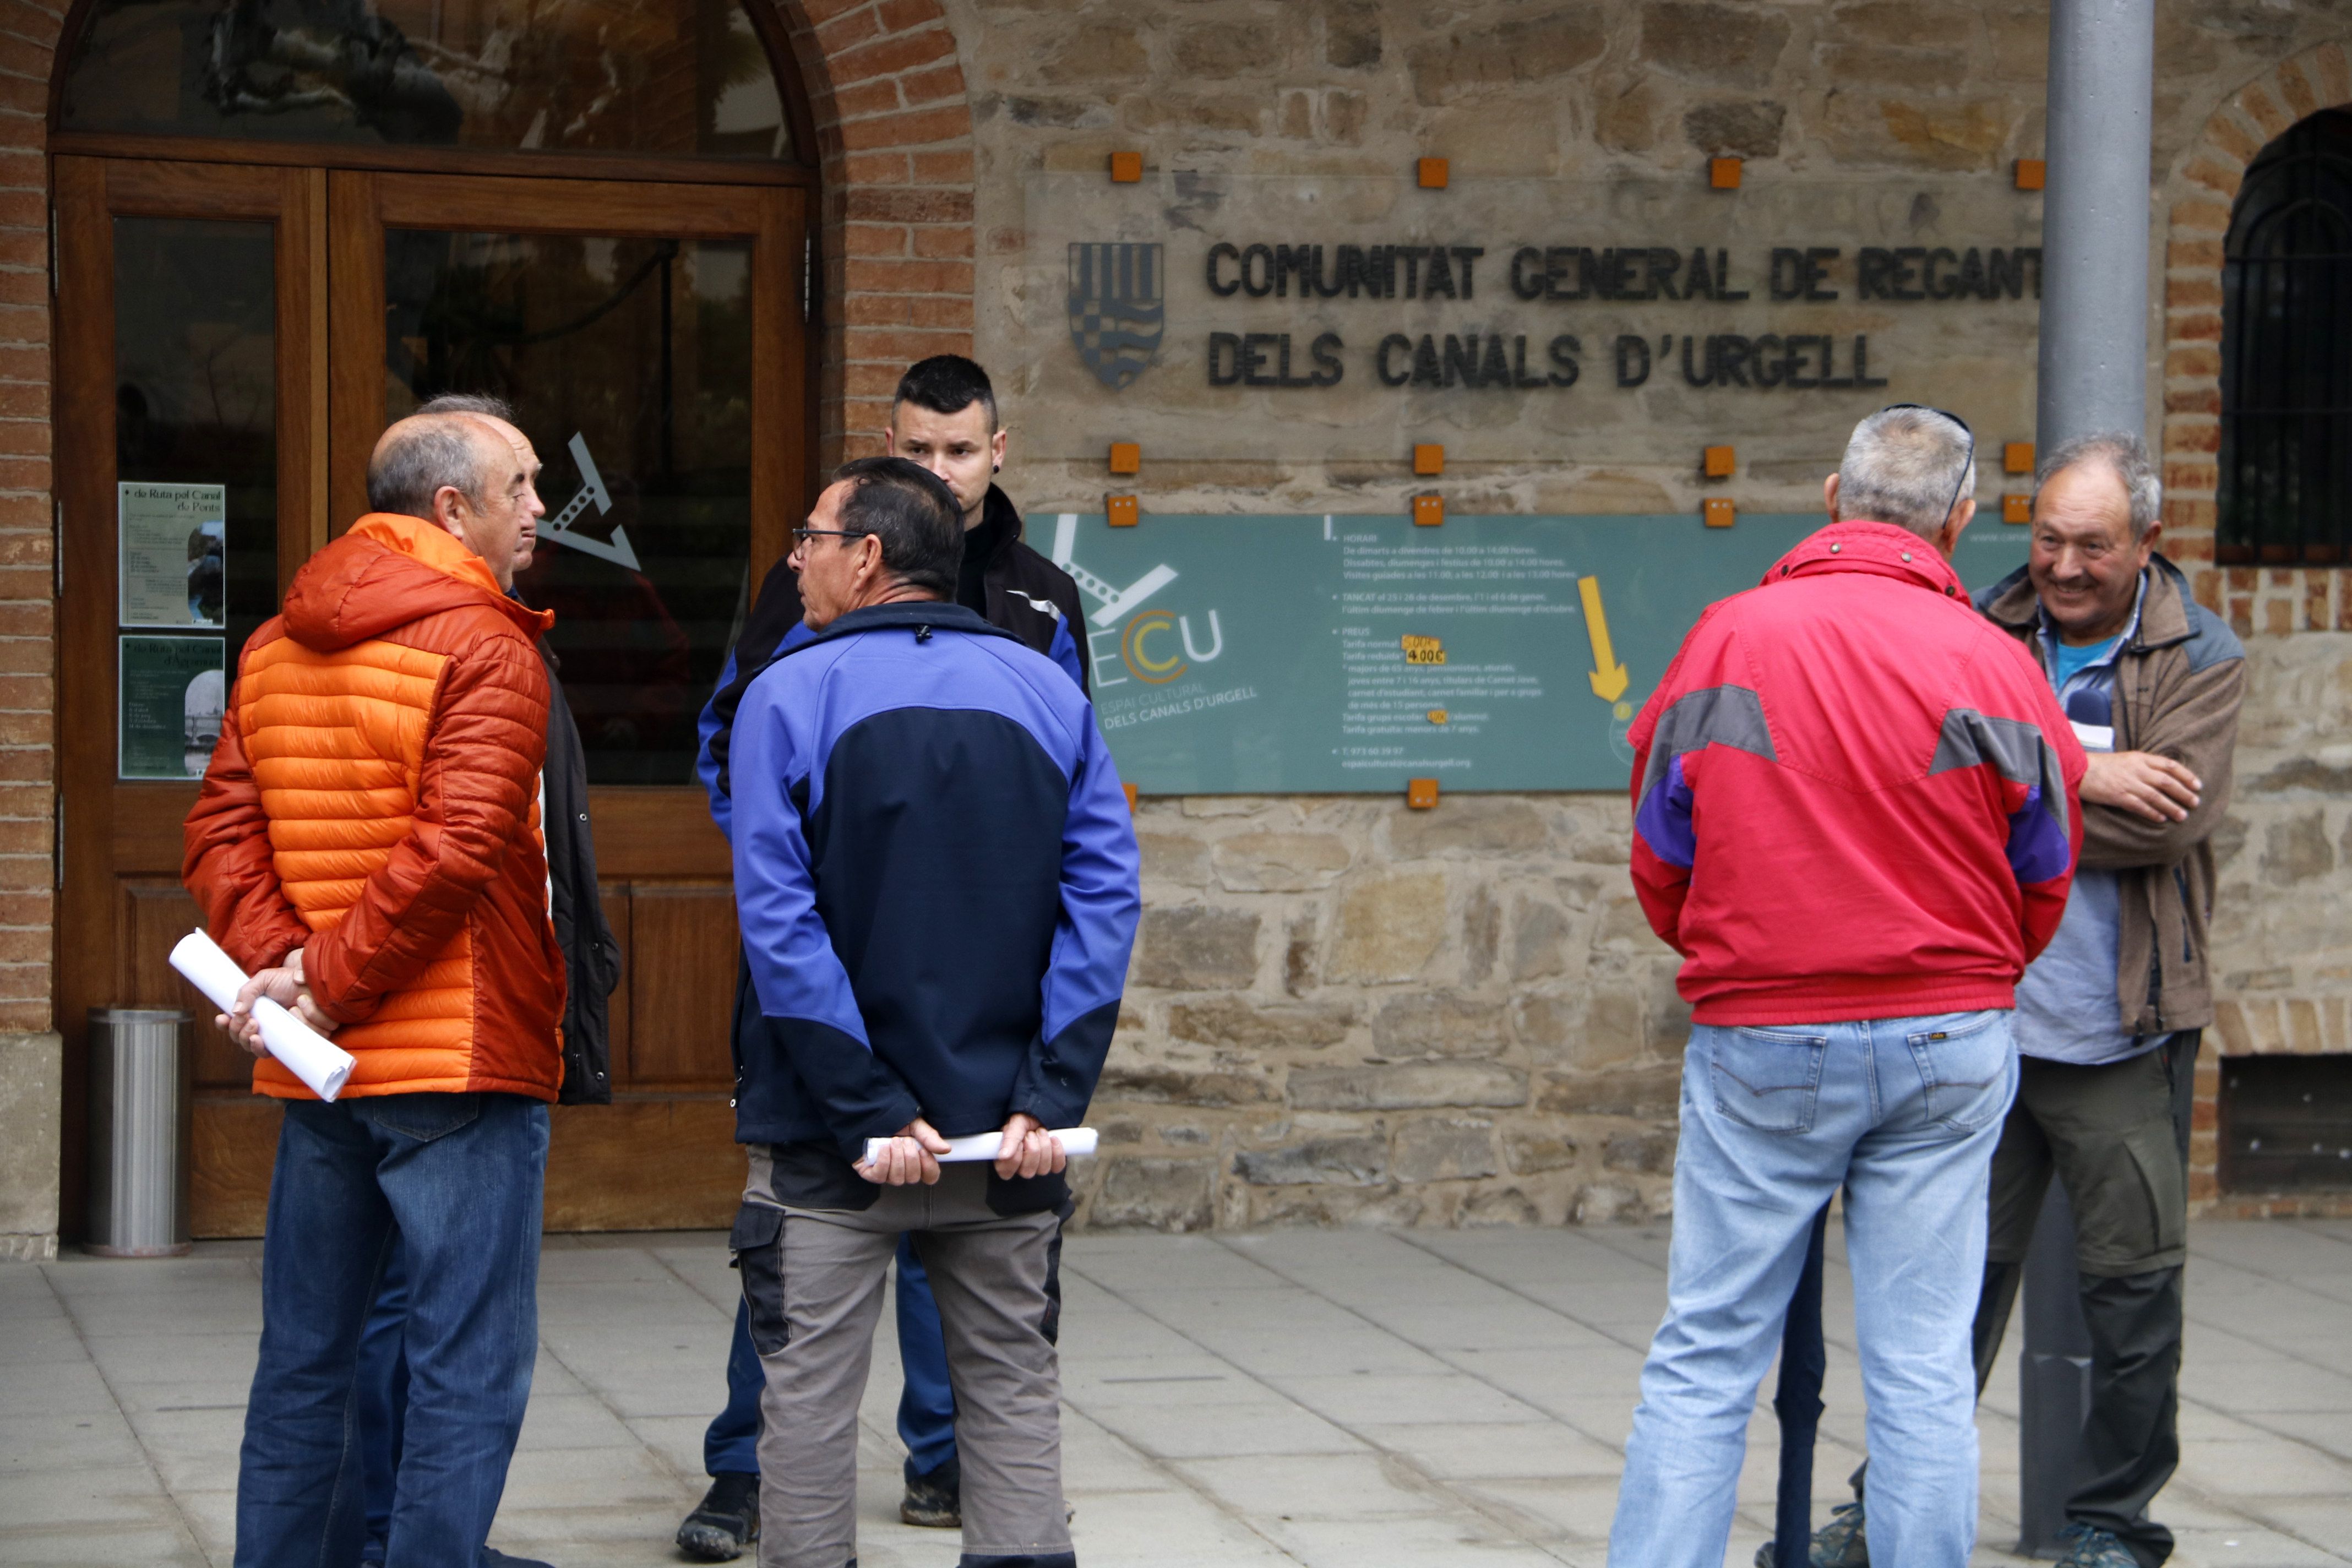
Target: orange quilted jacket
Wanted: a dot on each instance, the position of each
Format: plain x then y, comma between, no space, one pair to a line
373,800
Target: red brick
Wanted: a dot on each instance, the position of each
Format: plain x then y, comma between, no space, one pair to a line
908,277
2204,399
28,908
861,444
910,128
941,81
847,32
28,1017
888,56
18,547
2330,72
28,19
25,96
21,438
2200,476
901,347
2201,362
873,240
943,240
21,56
865,99
21,837
25,763
911,204
2202,216
27,802
949,311
2263,111
900,15
2295,88
2204,291
947,168
2181,436
24,324
2187,547
878,381
25,474
24,364
2225,132
820,11
863,169
2204,328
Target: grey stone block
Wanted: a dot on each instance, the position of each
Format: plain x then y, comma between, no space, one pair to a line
1407,1086
1355,1161
1155,1194
1196,947
32,1083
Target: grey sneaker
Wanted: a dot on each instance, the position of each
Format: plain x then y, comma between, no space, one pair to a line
2088,1546
1840,1544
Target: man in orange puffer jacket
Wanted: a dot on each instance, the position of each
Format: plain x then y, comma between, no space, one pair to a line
367,845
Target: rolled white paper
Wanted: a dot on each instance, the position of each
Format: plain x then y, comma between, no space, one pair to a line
306,1053
1075,1141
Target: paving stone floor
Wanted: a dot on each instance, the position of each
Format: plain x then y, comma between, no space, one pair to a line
1349,1398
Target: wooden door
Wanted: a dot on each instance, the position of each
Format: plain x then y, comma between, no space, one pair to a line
650,337
190,433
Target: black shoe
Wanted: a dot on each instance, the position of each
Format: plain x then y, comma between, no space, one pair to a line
934,1501
725,1522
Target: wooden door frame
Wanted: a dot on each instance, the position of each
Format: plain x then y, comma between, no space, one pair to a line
96,845
643,831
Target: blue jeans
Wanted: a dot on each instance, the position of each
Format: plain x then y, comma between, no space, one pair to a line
926,1405
1904,1113
383,1398
458,1179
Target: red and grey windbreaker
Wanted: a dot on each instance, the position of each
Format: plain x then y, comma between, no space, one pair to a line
1853,796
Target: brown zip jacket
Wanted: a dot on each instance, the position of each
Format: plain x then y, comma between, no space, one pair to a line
2179,685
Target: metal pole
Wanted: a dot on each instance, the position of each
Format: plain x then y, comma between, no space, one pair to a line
2093,377
2093,362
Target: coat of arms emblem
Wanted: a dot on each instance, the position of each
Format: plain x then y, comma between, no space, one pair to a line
1116,310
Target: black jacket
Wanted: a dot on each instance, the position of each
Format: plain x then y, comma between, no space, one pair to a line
1013,587
591,956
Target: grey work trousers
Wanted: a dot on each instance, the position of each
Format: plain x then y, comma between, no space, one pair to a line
813,1281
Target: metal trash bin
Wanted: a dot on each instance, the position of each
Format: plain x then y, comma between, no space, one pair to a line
142,1103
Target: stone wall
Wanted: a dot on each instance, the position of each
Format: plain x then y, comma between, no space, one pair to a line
1342,1011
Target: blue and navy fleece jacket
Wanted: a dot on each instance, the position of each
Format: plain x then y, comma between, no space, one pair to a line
937,880
1853,796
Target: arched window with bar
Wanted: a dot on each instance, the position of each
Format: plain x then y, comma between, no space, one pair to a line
2285,494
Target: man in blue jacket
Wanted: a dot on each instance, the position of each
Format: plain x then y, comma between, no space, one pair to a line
936,880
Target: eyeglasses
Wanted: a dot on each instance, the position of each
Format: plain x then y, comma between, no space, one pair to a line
1959,483
802,535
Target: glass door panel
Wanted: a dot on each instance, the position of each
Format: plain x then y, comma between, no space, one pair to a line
628,362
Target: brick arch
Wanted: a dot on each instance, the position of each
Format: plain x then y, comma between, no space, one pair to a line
2268,600
893,124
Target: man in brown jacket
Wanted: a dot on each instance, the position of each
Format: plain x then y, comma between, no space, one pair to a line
2110,1018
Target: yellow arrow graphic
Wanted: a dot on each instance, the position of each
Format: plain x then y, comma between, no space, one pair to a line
1609,677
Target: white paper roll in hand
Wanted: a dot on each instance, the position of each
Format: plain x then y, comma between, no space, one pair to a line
1075,1141
306,1053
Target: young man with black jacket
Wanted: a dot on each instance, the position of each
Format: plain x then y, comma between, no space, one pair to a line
944,417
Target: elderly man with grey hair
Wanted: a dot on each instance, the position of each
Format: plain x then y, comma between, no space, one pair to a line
2110,1018
1854,818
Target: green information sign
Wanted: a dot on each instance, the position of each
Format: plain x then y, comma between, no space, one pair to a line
170,700
1322,655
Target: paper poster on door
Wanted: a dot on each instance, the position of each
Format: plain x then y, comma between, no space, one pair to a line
172,553
170,698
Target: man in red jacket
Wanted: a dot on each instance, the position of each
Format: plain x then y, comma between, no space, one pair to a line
1854,817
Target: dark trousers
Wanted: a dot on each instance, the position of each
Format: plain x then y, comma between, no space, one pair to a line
459,1179
926,1403
2118,1136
